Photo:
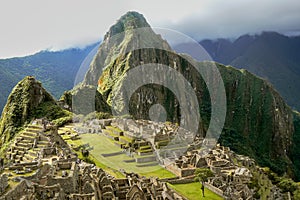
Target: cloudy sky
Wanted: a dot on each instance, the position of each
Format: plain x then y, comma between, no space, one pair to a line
33,25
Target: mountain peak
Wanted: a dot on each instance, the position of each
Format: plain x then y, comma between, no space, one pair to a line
28,100
130,20
131,32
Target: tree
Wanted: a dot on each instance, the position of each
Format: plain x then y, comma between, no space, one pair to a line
201,175
85,153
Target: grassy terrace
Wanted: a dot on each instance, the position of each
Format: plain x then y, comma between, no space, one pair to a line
193,191
103,145
112,164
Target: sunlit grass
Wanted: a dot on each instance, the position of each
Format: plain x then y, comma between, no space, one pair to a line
192,191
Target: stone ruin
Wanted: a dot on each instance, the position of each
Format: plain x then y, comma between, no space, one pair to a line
57,173
49,170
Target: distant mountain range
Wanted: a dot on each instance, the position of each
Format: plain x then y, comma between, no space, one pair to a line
270,55
56,70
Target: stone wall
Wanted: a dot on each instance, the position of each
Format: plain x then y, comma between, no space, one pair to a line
40,172
56,138
146,159
214,189
187,172
49,192
70,183
181,172
82,196
174,169
181,181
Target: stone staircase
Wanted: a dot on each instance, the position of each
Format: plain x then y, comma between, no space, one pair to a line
28,144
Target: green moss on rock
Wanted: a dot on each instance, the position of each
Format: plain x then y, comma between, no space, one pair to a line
28,100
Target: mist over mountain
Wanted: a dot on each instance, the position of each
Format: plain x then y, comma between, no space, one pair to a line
56,70
270,55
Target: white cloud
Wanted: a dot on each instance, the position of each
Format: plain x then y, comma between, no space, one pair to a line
32,25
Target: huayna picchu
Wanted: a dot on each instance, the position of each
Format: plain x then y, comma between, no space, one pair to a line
78,148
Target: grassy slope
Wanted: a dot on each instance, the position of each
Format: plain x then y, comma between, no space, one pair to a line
103,145
193,191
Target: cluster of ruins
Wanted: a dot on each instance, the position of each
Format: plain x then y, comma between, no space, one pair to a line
42,165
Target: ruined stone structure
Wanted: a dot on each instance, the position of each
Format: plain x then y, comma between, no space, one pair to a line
44,166
56,173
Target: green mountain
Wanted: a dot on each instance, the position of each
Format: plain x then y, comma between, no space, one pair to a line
28,100
56,70
258,121
270,55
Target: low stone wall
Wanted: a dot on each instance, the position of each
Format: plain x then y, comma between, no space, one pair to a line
181,181
64,165
146,159
181,172
168,179
82,196
187,172
174,169
20,166
214,189
112,154
145,153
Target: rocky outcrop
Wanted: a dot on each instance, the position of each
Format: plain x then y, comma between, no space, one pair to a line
85,99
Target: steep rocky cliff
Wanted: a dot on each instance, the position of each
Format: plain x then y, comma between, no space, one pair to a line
258,121
295,152
28,100
84,99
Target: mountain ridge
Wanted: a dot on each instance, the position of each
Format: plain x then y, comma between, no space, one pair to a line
269,55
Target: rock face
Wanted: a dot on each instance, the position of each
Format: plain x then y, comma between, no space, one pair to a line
120,39
295,152
85,99
258,121
27,100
